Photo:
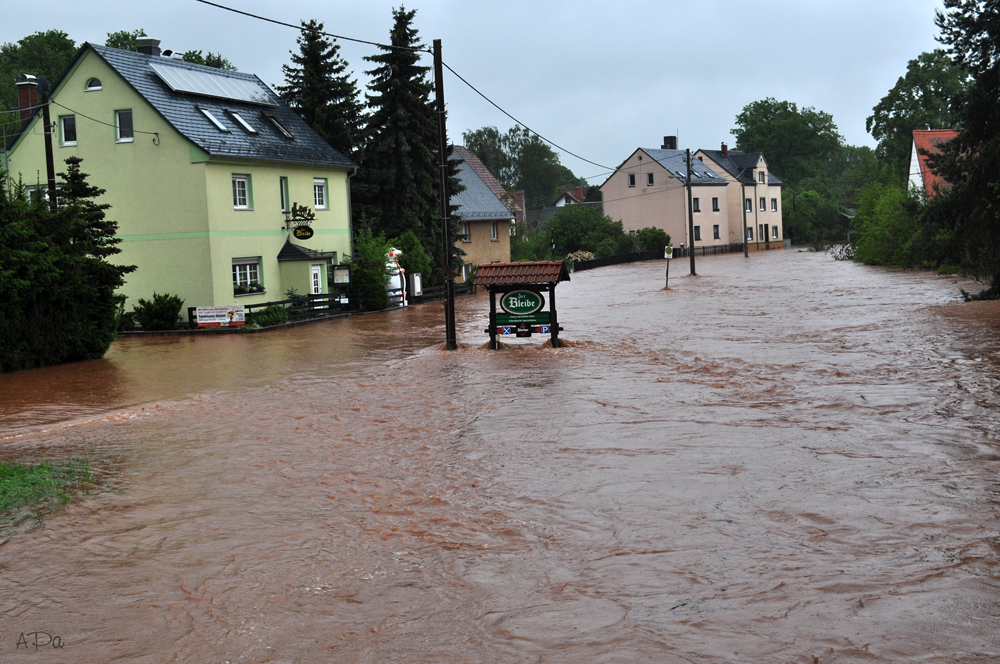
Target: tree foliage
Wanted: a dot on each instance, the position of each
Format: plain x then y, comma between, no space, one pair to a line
921,99
57,288
209,60
886,225
124,39
46,53
129,41
319,88
369,274
584,227
652,239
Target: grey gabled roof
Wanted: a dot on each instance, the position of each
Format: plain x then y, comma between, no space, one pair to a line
477,201
675,161
181,111
295,252
740,165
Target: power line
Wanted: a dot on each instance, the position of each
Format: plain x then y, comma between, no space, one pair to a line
108,124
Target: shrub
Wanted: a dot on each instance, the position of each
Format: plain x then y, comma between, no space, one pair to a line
272,315
159,314
652,239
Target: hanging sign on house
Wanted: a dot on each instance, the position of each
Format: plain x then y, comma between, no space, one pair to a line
230,316
303,232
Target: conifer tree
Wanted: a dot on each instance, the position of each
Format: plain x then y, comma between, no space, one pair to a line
321,91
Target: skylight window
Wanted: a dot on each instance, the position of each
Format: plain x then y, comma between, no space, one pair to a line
241,122
277,125
214,120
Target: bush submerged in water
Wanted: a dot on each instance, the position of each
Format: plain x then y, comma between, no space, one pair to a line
159,314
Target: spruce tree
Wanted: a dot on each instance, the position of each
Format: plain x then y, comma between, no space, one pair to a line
320,90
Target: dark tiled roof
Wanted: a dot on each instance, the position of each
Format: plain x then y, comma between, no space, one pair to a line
295,252
180,110
481,197
675,161
740,165
516,274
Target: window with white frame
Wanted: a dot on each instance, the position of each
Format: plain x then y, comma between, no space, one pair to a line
247,127
696,204
493,231
246,276
749,233
123,126
774,205
649,179
631,179
715,203
40,192
748,205
241,192
320,194
763,204
760,177
67,130
715,232
283,186
774,232
697,233
214,120
93,84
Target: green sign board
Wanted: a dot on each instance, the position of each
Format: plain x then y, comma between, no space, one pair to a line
539,318
522,302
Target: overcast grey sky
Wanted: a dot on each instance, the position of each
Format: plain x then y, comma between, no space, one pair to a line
599,78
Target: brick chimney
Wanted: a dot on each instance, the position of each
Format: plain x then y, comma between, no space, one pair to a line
669,143
579,193
148,45
725,150
27,96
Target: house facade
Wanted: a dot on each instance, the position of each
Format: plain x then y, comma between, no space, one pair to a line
201,168
485,219
649,189
753,194
921,178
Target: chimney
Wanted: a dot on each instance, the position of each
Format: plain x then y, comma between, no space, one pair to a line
27,96
148,45
669,143
579,193
725,150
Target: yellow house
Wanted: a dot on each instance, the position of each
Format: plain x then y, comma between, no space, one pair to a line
201,168
485,219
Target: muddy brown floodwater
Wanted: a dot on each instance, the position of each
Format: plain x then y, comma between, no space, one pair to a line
785,459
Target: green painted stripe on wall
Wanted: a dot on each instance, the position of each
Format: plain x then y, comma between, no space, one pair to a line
209,234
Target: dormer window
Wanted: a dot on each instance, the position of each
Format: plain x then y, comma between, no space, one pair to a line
93,84
760,177
277,125
214,120
241,122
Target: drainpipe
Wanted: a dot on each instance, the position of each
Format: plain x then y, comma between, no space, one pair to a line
350,212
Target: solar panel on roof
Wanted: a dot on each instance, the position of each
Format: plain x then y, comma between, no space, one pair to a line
194,82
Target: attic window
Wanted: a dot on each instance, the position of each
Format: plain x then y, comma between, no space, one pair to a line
277,125
214,120
93,84
241,122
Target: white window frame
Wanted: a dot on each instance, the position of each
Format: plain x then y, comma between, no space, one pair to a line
283,186
748,205
247,127
696,204
214,120
494,235
62,131
321,194
774,231
761,177
631,179
774,205
91,87
465,231
649,179
763,204
30,189
241,194
247,271
715,203
118,129
716,232
749,233
277,125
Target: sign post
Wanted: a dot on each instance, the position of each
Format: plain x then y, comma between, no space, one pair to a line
668,253
521,287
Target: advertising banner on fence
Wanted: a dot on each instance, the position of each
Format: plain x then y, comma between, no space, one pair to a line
230,316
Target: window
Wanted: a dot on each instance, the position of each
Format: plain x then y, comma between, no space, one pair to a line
466,271
631,179
241,122
760,177
649,179
763,204
748,205
696,204
715,203
246,276
749,233
319,194
774,205
241,192
463,229
493,231
760,232
283,185
67,126
214,120
277,125
123,126
774,232
40,192
715,232
697,233
631,231
93,84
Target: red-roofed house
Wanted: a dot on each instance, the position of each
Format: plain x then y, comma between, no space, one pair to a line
922,178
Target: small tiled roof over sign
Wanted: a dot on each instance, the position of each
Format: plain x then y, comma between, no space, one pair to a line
517,274
295,252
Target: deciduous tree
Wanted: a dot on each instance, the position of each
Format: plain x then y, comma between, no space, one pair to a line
46,53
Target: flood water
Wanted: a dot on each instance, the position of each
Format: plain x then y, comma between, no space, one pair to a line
784,459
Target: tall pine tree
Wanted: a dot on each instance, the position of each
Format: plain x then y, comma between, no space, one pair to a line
321,91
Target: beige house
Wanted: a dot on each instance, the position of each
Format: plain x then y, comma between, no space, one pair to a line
649,189
485,219
753,196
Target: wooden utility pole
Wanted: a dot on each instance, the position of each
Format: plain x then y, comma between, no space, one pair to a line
50,165
690,211
451,341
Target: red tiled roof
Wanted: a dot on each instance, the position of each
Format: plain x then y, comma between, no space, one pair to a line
929,140
509,274
479,168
